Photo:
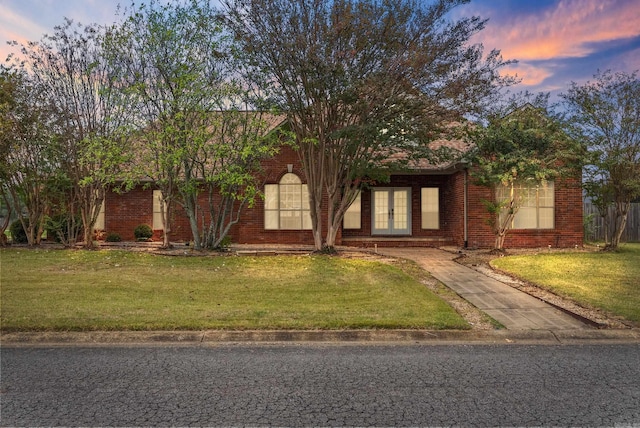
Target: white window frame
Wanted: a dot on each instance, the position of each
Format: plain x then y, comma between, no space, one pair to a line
286,204
430,207
536,204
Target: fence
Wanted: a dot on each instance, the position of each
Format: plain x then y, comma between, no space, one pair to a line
594,224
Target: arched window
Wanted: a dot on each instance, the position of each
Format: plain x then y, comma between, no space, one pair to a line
286,204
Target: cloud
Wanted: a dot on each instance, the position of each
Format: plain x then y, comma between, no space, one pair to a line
13,23
14,26
631,61
530,75
569,28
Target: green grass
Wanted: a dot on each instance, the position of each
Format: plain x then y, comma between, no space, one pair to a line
609,281
60,290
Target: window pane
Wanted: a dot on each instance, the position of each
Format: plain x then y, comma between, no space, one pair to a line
400,214
290,220
157,210
525,218
430,208
545,195
526,196
290,196
381,203
352,217
100,220
306,220
271,220
290,178
271,196
305,197
546,218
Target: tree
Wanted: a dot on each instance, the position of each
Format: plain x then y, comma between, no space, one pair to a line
27,163
525,144
180,74
86,123
605,115
230,167
360,82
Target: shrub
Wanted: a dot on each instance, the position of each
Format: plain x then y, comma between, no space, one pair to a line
143,232
225,243
18,234
113,237
57,228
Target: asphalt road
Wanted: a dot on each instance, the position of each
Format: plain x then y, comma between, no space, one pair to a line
312,385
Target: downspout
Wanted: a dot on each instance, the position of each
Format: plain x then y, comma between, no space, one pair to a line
465,209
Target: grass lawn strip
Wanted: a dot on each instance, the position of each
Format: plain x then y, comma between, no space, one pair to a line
70,290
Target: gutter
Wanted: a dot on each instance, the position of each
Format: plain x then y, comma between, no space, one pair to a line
465,209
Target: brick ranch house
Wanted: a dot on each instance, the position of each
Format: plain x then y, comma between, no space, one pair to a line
429,206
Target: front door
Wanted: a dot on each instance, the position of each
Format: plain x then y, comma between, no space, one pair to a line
391,211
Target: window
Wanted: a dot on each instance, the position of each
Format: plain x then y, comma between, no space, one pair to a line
352,217
100,219
430,203
158,207
286,205
536,202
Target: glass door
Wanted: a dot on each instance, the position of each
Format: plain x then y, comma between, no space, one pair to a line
391,211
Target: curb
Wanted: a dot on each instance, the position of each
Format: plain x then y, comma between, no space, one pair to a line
357,337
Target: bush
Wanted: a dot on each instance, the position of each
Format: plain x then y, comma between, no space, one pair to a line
225,243
18,234
113,237
57,228
143,232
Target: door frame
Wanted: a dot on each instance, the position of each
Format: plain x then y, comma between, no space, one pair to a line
391,203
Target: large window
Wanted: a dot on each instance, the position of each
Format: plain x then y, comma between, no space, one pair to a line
353,215
286,205
536,202
430,203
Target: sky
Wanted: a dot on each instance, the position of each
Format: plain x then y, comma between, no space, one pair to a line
556,42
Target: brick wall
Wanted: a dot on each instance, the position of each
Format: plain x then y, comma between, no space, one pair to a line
568,230
126,211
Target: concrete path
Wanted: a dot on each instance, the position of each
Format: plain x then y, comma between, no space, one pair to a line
512,308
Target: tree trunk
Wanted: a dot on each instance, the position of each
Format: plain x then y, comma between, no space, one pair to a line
88,242
7,220
316,222
619,224
332,231
499,241
190,206
88,217
502,227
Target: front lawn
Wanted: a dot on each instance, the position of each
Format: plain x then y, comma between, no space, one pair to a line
609,281
119,290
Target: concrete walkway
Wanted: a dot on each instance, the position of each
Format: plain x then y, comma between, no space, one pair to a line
514,309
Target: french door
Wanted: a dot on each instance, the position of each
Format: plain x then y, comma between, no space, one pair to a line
391,211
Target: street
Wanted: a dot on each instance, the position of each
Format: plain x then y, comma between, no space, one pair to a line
321,385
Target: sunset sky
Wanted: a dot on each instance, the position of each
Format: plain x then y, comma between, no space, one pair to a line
555,41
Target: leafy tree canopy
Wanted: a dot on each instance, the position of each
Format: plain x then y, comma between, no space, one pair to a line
361,81
605,115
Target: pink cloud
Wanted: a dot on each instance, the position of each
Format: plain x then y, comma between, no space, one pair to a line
15,27
530,75
566,30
